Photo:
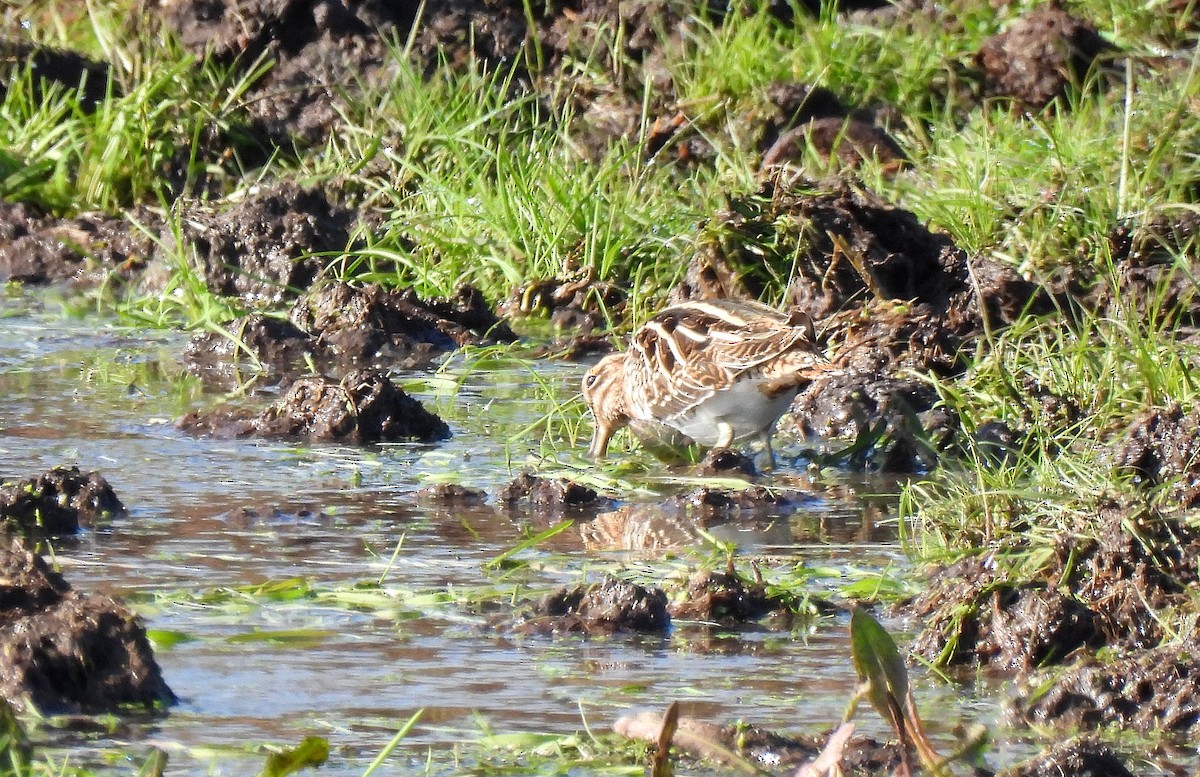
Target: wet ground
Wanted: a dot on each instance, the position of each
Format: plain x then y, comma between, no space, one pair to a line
251,669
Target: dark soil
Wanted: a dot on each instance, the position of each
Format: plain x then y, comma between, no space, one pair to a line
264,248
337,327
547,493
451,494
1163,446
578,303
325,48
1157,262
67,652
599,608
814,117
1103,586
356,325
1150,690
725,598
726,461
258,343
706,503
364,407
60,501
86,250
1083,757
1041,57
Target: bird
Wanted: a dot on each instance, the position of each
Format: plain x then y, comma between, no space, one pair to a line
716,371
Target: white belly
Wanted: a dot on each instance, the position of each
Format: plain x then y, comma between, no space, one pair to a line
742,406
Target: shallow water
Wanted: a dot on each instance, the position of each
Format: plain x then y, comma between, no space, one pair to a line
208,515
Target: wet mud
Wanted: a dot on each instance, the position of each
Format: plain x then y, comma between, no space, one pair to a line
708,597
1081,757
336,327
1163,447
270,246
363,407
66,651
1148,691
606,607
556,494
60,501
1102,586
726,598
37,248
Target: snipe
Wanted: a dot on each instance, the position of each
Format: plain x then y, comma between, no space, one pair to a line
716,371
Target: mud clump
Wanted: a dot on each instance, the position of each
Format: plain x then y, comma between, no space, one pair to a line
1103,585
264,249
1152,690
814,117
367,325
1040,57
257,341
452,494
725,598
607,607
1013,626
312,43
60,501
726,461
704,502
66,652
1083,757
850,250
900,423
1156,265
364,407
577,302
84,250
1164,445
553,493
338,327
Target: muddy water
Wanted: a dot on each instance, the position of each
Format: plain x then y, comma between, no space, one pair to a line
207,516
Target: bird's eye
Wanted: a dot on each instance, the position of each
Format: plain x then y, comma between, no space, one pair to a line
590,381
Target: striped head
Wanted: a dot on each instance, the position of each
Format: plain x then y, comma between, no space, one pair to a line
604,392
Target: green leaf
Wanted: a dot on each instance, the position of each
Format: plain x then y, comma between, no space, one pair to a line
155,764
499,561
295,637
880,666
165,639
312,751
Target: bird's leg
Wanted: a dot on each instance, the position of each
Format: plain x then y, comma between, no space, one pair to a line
766,439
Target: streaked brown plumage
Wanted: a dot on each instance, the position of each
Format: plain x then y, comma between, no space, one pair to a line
717,371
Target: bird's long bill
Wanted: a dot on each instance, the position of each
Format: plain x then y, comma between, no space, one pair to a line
600,438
